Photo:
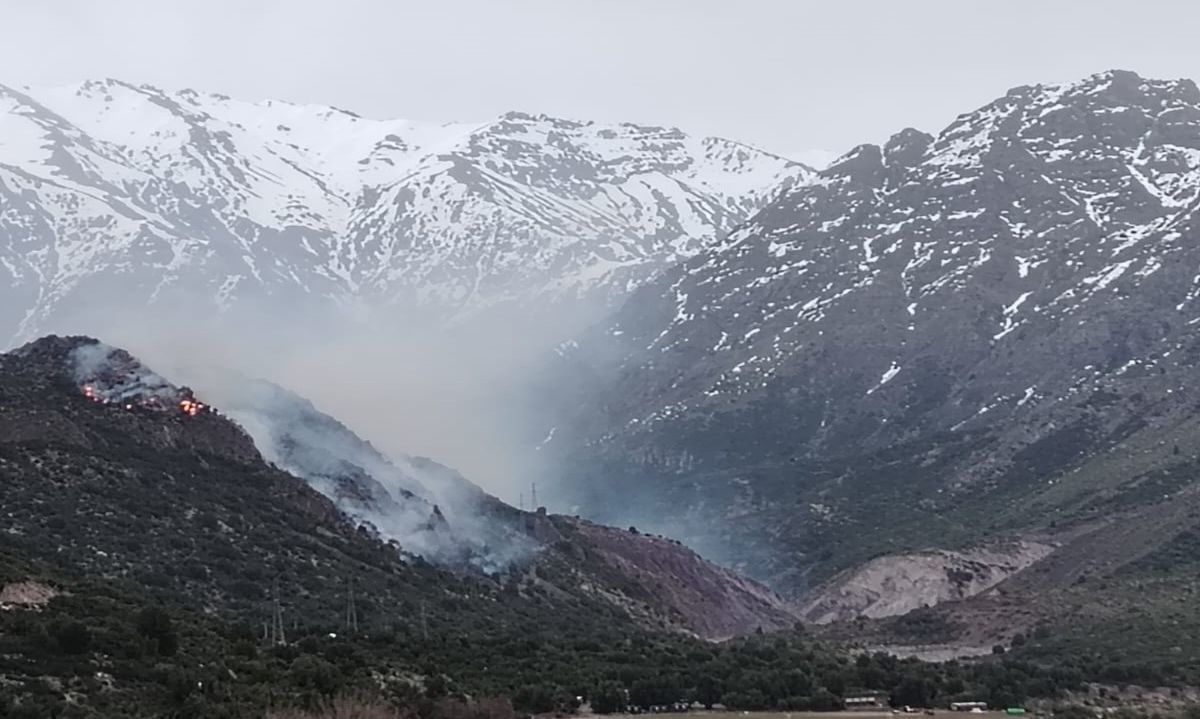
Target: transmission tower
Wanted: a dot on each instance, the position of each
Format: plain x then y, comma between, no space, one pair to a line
351,610
277,636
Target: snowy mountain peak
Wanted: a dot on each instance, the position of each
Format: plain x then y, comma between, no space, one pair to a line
142,194
906,148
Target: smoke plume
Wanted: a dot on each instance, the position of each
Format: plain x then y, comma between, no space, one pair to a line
409,382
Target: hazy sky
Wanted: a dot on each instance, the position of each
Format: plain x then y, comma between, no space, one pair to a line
789,75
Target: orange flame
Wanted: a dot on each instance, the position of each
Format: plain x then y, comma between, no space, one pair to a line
190,407
187,405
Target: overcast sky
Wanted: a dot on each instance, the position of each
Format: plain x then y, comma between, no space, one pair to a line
793,76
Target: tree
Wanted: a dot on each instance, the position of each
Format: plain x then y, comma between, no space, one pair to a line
155,624
436,686
73,637
535,699
833,680
913,691
752,700
37,707
708,690
824,700
654,692
609,698
643,693
798,683
314,673
872,676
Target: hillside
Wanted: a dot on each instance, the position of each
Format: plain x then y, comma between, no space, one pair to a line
72,646
947,342
106,467
154,564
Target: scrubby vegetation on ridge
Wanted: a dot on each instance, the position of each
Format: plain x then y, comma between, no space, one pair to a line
103,649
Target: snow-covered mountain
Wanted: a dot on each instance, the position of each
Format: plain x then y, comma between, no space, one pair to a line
124,194
900,351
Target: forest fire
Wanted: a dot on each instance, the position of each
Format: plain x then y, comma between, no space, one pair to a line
110,376
191,407
186,400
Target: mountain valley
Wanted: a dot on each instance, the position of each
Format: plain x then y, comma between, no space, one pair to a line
934,401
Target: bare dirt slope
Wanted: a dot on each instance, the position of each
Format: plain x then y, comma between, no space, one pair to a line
708,600
893,585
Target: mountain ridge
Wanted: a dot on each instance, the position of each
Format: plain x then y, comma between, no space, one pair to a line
182,194
939,343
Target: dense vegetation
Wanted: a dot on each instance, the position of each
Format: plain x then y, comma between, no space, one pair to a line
104,649
1141,630
167,545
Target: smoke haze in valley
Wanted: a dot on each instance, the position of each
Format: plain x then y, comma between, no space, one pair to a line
401,379
806,80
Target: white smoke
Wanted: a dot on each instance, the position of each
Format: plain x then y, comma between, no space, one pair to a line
110,375
425,509
426,512
401,377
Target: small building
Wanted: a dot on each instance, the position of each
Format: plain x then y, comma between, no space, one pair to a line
968,706
865,701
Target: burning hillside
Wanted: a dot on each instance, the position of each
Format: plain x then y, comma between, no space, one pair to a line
147,448
79,392
112,376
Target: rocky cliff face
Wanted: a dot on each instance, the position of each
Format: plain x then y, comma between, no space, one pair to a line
931,333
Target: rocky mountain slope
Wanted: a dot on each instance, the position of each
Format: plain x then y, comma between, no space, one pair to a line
895,585
431,510
116,195
946,341
109,469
